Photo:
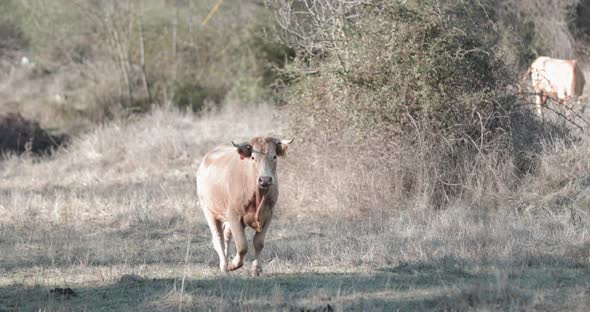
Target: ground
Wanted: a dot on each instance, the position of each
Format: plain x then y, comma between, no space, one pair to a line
121,200
356,268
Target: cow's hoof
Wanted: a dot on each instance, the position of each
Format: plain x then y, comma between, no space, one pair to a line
256,271
223,267
234,266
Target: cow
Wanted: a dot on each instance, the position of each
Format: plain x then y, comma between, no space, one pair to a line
561,80
237,188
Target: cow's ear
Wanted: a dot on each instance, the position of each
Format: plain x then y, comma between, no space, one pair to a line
283,147
244,149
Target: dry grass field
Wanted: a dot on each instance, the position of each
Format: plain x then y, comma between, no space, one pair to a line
418,179
121,200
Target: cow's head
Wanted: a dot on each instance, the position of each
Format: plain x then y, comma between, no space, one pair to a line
262,154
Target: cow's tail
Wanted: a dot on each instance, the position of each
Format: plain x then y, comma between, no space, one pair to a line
524,78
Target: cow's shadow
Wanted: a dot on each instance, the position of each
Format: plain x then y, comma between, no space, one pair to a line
444,284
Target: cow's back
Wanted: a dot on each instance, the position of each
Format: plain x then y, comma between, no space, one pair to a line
554,76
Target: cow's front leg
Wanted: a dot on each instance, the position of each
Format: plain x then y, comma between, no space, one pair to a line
258,246
237,231
226,238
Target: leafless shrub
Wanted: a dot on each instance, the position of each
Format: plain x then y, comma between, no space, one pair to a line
314,27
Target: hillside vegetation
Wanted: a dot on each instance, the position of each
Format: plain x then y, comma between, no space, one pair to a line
93,62
418,178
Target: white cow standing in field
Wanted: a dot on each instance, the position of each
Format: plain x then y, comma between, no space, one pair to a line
238,187
561,80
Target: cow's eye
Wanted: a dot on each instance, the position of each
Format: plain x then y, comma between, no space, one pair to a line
274,157
252,157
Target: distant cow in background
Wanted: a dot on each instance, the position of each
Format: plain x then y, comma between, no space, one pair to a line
238,187
561,80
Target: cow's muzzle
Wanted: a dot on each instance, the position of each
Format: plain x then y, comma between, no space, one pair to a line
264,182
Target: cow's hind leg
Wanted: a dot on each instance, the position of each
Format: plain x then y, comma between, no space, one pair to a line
237,230
216,235
569,104
539,103
258,241
226,238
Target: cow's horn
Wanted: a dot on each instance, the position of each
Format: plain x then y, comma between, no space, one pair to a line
287,142
234,144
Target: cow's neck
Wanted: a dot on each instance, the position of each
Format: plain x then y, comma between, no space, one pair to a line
264,199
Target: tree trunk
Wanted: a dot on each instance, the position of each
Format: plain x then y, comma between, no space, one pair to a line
144,80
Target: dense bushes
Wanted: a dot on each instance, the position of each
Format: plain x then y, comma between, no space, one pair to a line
442,70
417,101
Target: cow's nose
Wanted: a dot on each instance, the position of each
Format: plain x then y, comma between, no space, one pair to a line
264,181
